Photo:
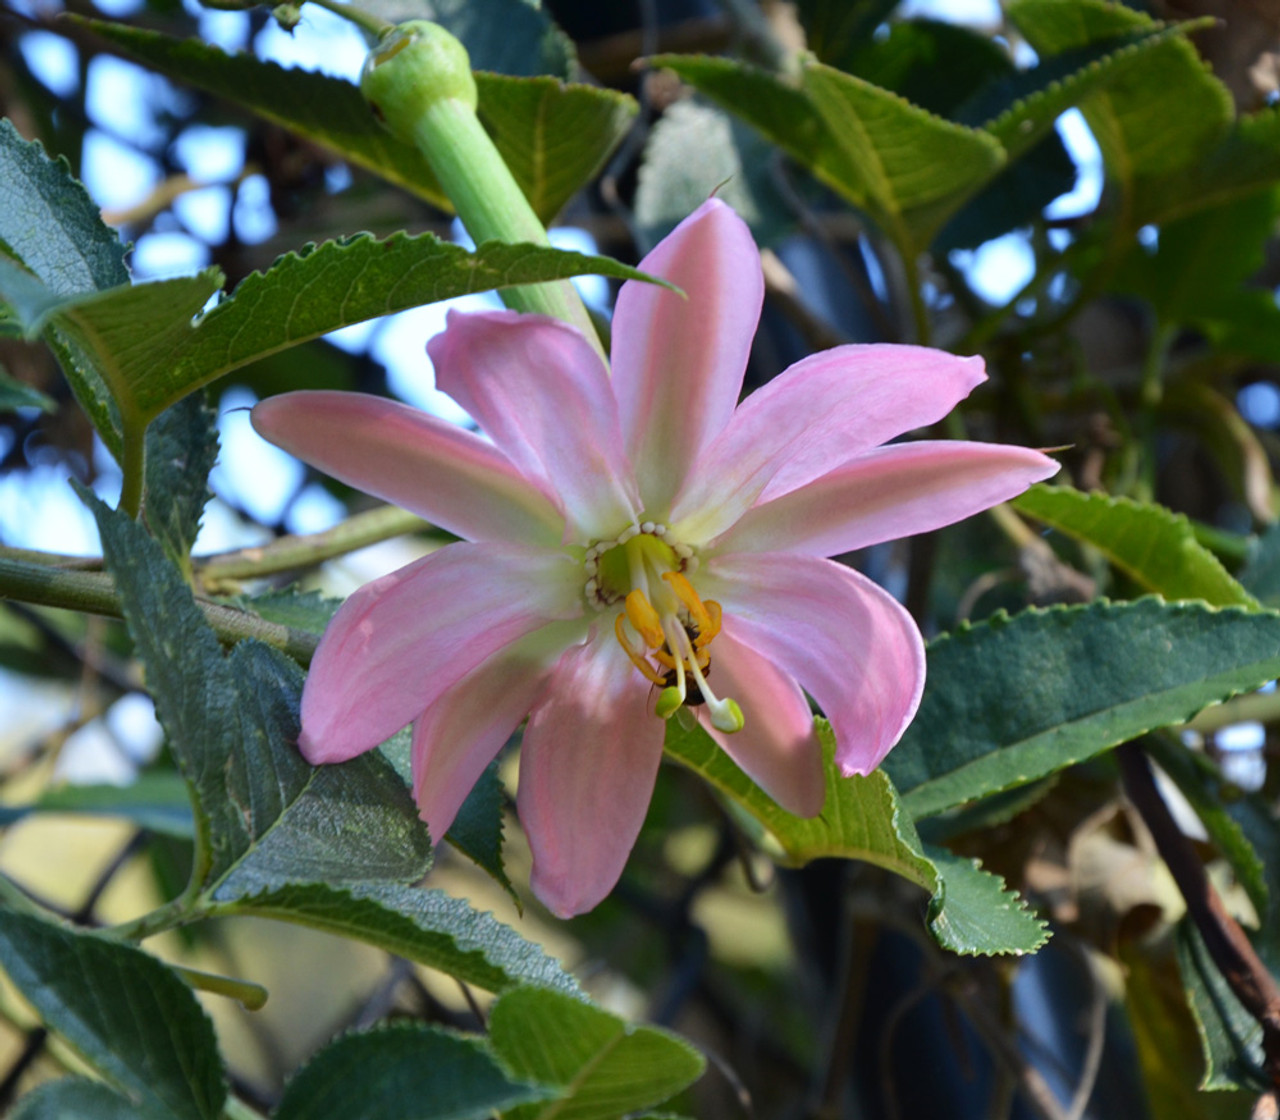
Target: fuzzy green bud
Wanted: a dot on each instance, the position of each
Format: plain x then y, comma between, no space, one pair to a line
412,68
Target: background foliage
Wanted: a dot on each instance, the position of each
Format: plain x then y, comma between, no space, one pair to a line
1006,920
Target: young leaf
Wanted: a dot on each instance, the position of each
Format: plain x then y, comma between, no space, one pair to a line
603,1066
554,136
1013,699
232,722
125,1013
427,926
863,819
404,1072
76,1098
1153,545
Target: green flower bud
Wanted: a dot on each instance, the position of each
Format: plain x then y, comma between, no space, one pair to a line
413,67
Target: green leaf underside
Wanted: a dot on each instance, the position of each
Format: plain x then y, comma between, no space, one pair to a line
427,926
404,1072
232,722
147,344
75,1098
1084,679
1230,1038
604,1066
553,136
125,1013
303,610
157,801
863,819
1154,546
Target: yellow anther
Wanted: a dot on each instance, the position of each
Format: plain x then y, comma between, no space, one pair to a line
645,619
637,656
714,615
686,594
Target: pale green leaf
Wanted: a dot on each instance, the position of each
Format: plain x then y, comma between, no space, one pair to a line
1154,546
157,801
1014,699
426,926
125,1013
75,1098
404,1072
603,1066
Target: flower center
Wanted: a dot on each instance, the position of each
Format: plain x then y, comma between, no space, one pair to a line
664,627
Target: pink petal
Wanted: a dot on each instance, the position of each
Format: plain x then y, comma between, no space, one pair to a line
678,361
587,768
888,493
777,746
848,643
400,454
543,395
403,640
466,727
816,416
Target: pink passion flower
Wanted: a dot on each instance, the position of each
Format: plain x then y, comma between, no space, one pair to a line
635,544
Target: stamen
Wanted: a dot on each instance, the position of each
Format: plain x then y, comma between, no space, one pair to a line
645,619
637,656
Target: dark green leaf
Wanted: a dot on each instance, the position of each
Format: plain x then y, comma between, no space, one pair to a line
506,36
404,1072
836,29
182,446
1261,573
232,722
125,1013
427,926
477,829
303,610
554,136
49,222
1154,546
604,1066
863,819
1230,1037
156,801
1084,678
74,1098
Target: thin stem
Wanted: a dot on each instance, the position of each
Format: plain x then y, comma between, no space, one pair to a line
180,911
366,21
919,311
95,593
250,996
286,554
1152,392
134,465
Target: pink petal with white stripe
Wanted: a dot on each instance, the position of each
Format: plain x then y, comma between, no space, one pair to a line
847,642
400,454
678,360
777,746
816,416
543,395
587,768
888,493
402,641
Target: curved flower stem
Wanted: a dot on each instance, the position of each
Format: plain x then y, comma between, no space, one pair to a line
285,554
250,996
95,593
366,21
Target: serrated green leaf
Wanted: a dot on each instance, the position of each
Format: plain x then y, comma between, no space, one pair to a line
14,395
863,819
1230,1038
182,446
232,722
1014,699
404,1072
125,1013
49,222
427,926
603,1066
303,610
1130,118
75,1098
148,347
477,829
156,801
1151,544
554,136
507,36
